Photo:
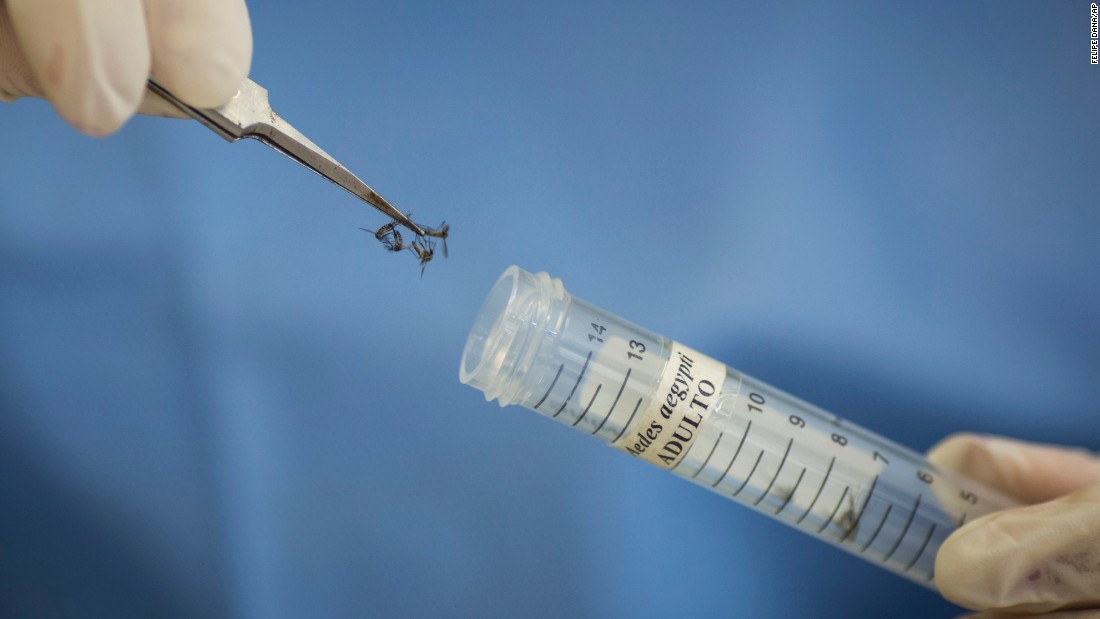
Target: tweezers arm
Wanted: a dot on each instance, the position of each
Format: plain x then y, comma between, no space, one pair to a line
249,115
234,120
279,135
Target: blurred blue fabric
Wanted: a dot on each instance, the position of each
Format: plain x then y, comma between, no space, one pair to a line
218,397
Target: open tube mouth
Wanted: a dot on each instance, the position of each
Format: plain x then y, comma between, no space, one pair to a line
490,338
514,324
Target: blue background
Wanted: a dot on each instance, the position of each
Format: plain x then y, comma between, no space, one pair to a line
219,397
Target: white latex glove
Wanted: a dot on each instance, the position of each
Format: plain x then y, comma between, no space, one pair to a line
1030,560
91,58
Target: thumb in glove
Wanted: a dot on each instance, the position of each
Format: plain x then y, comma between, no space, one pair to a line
91,58
1034,559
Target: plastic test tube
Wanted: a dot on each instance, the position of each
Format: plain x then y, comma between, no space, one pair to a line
533,344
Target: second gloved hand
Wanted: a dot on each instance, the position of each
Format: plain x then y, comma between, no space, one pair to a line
1035,559
91,58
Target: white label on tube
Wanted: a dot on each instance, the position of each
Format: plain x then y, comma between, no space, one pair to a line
685,397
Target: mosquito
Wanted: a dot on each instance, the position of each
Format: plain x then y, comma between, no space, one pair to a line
424,248
423,245
389,236
440,233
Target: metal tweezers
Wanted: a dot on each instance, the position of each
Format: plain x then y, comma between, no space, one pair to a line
249,115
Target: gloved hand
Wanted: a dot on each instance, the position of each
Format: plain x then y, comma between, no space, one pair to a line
1036,559
91,58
